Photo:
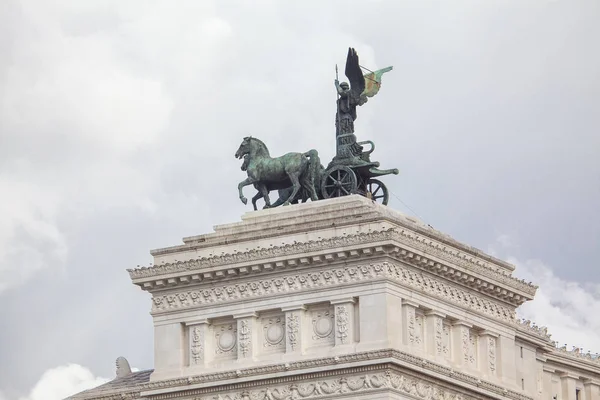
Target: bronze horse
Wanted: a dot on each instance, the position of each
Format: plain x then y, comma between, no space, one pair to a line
297,171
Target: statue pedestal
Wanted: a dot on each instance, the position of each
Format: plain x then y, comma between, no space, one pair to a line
367,301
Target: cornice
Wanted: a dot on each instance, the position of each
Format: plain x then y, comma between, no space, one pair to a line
409,360
439,259
574,358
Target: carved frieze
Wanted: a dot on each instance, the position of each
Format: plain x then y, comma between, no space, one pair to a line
330,277
362,384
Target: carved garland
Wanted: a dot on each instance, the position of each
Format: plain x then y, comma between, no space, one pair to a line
197,348
333,277
293,325
324,388
327,361
470,263
244,338
342,324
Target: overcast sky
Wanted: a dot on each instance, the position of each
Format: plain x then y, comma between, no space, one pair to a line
119,121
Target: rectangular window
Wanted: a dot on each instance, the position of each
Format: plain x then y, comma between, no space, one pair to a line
522,383
521,351
577,394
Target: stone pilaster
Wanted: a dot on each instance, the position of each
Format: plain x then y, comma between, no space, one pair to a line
294,328
199,354
344,321
591,390
246,336
434,331
461,338
568,384
409,328
488,353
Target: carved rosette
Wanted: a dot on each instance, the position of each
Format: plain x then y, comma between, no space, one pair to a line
197,345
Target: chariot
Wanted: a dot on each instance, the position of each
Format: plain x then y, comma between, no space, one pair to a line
345,176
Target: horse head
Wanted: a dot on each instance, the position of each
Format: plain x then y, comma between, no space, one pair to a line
252,147
245,147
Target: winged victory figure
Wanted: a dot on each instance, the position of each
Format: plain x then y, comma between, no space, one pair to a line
351,95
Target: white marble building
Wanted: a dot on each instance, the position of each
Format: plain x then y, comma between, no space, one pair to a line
342,299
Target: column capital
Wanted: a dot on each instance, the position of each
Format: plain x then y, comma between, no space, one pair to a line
346,300
298,307
408,302
248,314
489,333
435,313
462,323
201,321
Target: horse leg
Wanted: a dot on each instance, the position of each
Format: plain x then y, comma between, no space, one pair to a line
265,194
245,182
296,184
257,196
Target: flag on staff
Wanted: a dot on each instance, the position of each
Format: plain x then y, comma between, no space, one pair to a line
373,81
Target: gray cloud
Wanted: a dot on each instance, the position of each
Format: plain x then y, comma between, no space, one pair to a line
112,113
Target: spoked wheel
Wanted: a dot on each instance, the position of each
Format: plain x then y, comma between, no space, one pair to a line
377,191
339,181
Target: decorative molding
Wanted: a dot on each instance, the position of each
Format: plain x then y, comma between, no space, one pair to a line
438,336
492,354
292,329
473,348
323,324
410,315
418,329
245,335
446,340
335,276
403,236
274,332
197,346
342,323
225,339
345,385
404,357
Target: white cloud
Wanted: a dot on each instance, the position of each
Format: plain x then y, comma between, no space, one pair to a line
61,382
567,308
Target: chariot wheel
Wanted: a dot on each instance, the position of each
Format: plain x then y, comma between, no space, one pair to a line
339,181
377,191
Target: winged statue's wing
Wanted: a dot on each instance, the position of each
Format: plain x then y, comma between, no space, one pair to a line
354,74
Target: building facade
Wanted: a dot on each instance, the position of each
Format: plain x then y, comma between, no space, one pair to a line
343,299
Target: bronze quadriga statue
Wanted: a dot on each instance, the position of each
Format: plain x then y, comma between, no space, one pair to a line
300,176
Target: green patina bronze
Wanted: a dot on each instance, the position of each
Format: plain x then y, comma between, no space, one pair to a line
300,176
